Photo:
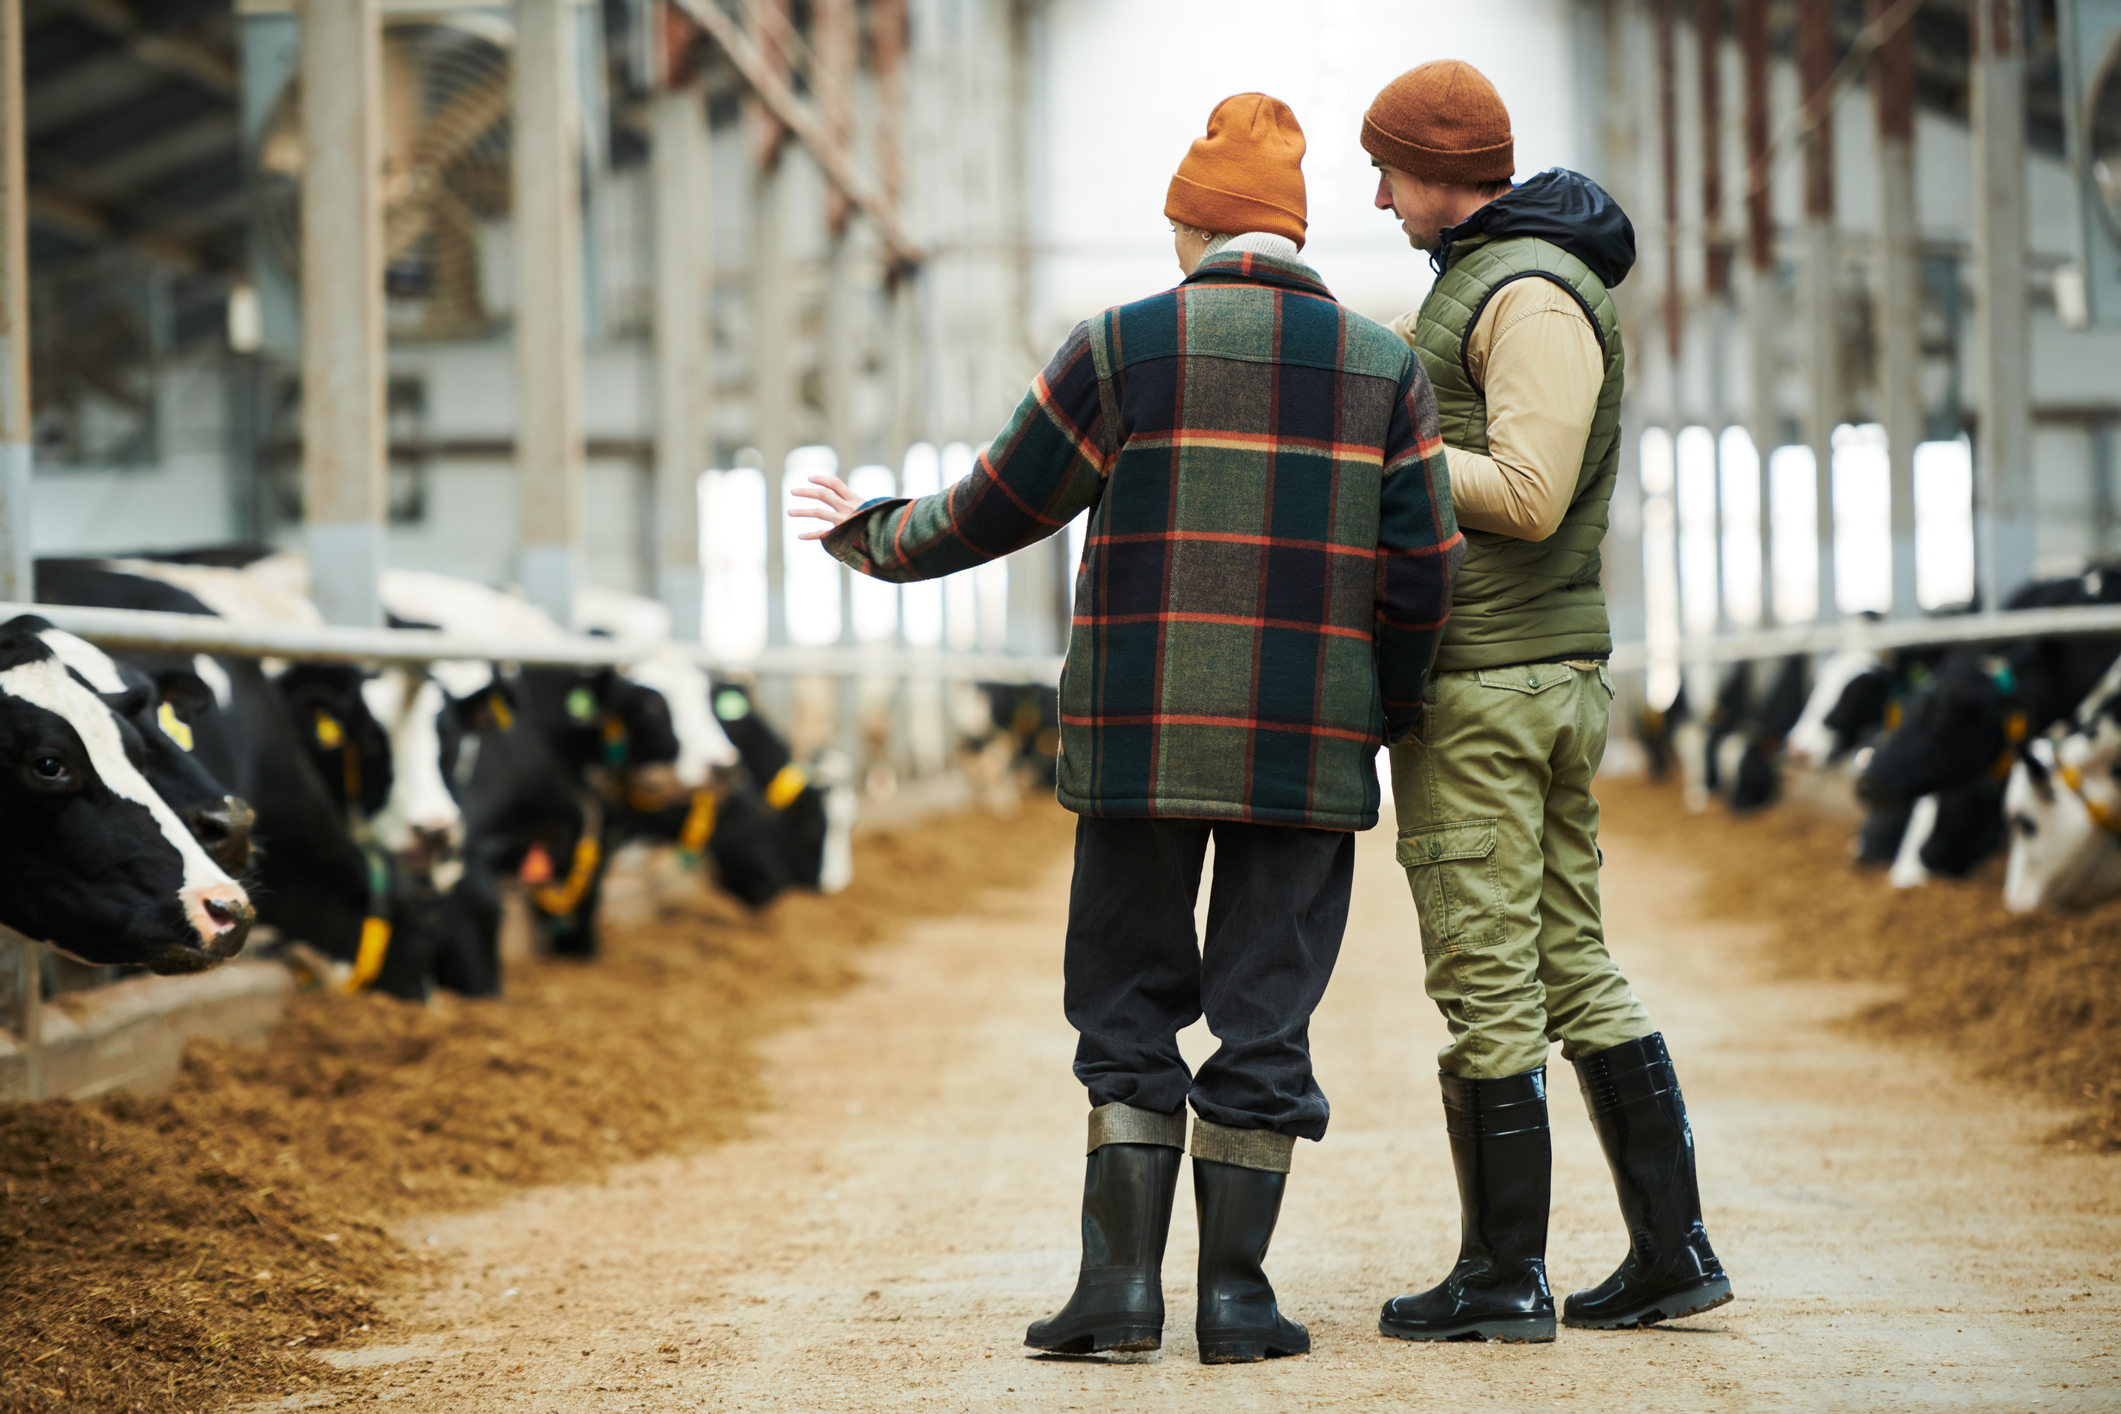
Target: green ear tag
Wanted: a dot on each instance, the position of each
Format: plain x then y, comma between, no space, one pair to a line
730,704
581,704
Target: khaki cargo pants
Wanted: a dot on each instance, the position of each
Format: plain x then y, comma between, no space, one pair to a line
1498,832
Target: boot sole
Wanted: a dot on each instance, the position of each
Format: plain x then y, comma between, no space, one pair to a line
1244,1350
1691,1302
1098,1340
1525,1330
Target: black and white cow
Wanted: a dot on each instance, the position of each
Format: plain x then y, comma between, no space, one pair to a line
99,864
314,883
1959,733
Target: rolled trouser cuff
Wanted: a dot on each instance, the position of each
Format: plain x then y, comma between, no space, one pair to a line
1260,1149
1123,1124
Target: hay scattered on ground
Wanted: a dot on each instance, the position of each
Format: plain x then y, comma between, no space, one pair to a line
2033,1001
171,1254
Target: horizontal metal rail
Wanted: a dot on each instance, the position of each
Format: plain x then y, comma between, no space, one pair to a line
140,630
1960,629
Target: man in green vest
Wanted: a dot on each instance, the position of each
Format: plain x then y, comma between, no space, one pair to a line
1498,829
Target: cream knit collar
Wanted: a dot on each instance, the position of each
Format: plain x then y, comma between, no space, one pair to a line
1257,242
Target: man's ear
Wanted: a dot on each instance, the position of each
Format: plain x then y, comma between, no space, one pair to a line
186,693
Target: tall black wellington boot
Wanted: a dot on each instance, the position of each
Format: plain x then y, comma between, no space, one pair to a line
1503,1152
1237,1319
1128,1190
1670,1270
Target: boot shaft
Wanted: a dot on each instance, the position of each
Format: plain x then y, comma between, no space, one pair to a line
1633,1096
1128,1194
1502,1151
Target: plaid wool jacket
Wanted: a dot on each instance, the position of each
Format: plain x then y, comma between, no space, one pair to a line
1270,551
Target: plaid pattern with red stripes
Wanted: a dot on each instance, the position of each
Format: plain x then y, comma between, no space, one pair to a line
1270,550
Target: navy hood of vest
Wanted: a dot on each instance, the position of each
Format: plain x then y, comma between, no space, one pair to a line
1564,207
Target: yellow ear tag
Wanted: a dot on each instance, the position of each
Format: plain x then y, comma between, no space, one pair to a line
2014,727
498,705
330,735
785,786
176,731
699,822
368,961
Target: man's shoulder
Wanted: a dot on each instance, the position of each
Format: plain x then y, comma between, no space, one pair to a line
1370,347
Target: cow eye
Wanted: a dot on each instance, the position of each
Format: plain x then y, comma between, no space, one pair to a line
2025,825
50,770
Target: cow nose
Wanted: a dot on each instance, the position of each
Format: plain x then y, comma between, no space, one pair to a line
435,840
1870,791
230,920
224,831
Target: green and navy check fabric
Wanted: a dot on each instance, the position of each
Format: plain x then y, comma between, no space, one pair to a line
1270,552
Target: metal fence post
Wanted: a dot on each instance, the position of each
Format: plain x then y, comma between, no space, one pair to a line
15,442
22,1014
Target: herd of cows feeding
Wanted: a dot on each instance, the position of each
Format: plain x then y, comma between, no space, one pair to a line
168,810
1955,753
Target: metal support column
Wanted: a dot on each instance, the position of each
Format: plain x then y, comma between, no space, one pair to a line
16,570
22,1010
345,449
1899,331
548,318
1822,375
684,382
2003,441
1716,256
1760,310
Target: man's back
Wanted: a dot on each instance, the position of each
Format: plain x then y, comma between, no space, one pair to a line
1224,657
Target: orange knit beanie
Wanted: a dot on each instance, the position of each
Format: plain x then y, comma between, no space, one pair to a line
1246,174
1442,122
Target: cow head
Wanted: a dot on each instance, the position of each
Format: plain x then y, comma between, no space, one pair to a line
420,820
2062,806
97,862
162,712
604,721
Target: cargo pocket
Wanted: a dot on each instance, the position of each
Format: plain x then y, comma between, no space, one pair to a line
1457,888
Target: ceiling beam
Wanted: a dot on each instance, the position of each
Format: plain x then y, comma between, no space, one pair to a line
779,97
170,53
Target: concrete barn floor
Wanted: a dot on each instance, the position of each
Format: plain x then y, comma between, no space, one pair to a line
1899,1237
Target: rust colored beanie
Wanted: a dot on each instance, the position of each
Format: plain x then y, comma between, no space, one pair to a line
1246,174
1442,122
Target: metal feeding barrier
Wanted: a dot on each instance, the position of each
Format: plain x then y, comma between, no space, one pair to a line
1882,635
141,630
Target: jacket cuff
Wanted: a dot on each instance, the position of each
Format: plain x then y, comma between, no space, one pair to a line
849,541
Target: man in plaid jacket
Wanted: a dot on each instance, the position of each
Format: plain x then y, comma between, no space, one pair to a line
1268,566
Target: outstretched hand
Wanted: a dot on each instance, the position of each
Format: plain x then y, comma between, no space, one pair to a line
835,504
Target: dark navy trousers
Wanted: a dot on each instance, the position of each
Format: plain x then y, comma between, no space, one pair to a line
1137,974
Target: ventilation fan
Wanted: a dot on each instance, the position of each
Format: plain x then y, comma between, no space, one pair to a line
445,175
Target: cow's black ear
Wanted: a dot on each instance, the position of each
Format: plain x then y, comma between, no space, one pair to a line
186,693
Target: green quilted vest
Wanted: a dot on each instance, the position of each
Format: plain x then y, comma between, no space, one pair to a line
1522,601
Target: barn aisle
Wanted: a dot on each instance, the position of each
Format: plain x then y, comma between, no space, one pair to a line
1899,1238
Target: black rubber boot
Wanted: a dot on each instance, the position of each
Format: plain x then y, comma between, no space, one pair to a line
1670,1270
1237,1319
1118,1303
1503,1152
